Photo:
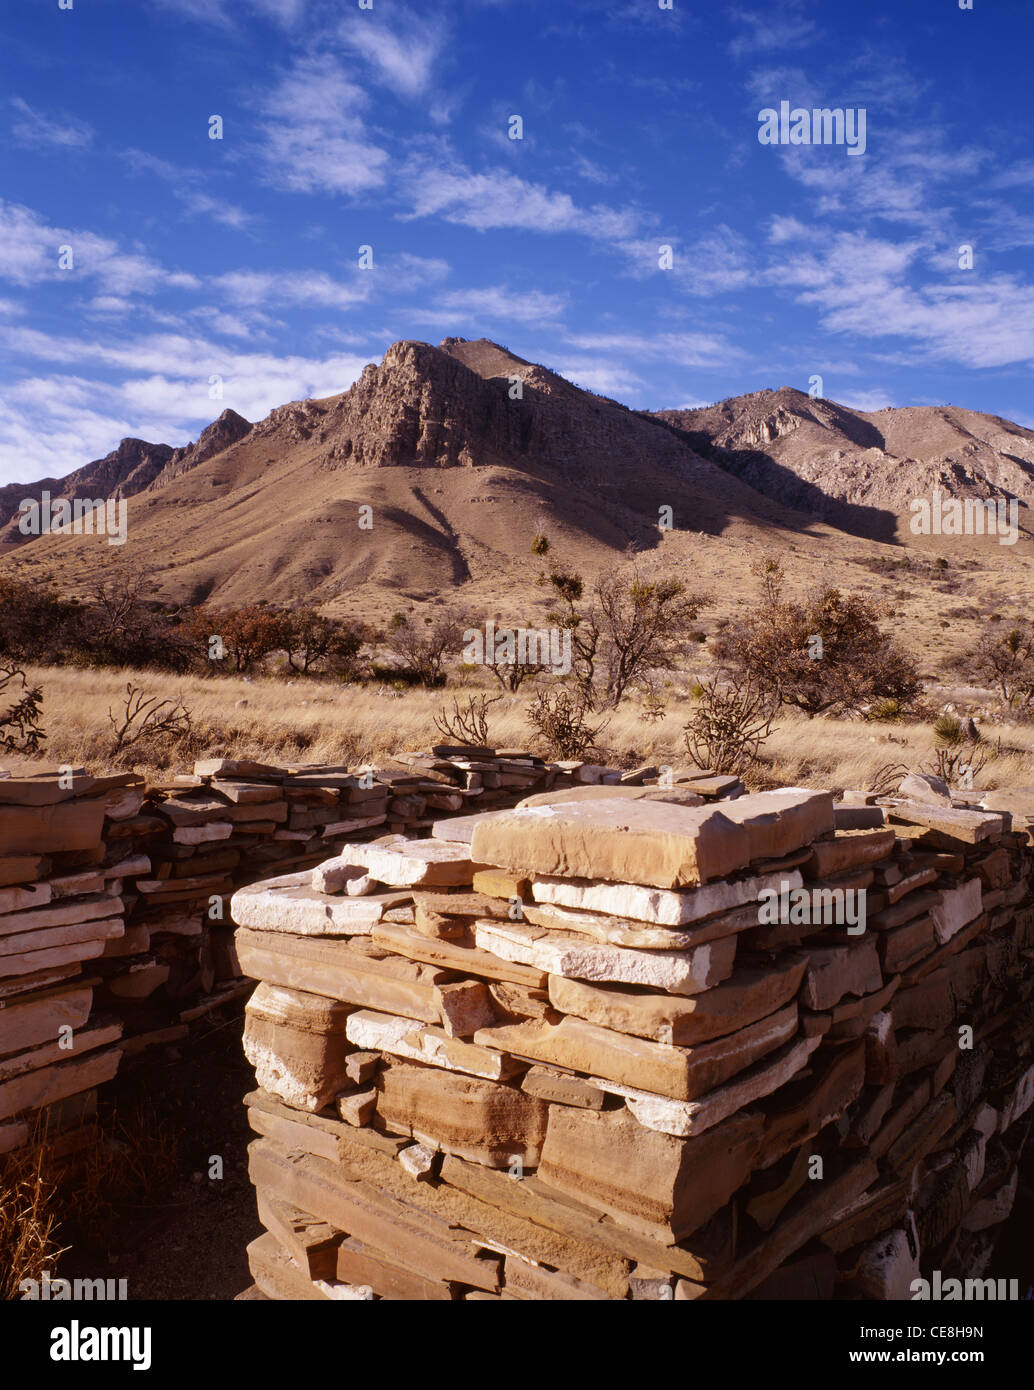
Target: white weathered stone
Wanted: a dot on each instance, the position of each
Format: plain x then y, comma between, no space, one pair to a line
432,862
957,908
675,972
374,1032
304,912
658,905
682,1118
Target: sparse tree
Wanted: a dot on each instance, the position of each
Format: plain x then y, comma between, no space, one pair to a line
828,653
423,645
633,626
561,716
1005,660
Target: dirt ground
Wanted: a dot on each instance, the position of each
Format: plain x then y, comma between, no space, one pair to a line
188,1240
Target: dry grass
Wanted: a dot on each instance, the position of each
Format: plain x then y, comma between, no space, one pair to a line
316,721
29,1217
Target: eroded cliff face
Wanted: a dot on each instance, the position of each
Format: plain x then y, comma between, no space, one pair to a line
475,405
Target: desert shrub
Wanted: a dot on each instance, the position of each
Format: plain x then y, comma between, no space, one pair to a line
20,730
954,758
467,724
561,718
1005,660
731,721
887,711
886,778
147,717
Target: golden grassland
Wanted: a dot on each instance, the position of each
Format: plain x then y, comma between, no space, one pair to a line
308,720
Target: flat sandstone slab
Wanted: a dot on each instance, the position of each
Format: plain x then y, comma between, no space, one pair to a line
676,1072
646,842
748,995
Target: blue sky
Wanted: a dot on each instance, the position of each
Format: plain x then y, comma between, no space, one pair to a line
238,258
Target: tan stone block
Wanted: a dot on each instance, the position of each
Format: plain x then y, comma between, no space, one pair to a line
32,830
22,947
517,1001
59,914
448,1202
35,1089
375,1218
466,1006
359,1264
616,931
496,883
655,1184
529,1281
20,868
779,822
468,1116
357,1107
750,993
340,970
460,955
664,1070
705,1255
296,1043
625,841
957,908
39,1019
676,796
694,1117
553,1086
834,971
311,1244
849,850
277,1275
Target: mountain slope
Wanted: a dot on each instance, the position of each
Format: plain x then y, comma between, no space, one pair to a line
860,470
429,478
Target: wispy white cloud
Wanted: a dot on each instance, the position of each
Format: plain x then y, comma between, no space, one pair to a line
783,26
499,199
31,127
153,387
314,135
187,186
497,304
402,58
224,12
30,248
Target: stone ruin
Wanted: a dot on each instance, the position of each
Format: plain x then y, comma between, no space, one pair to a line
569,1052
626,1040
